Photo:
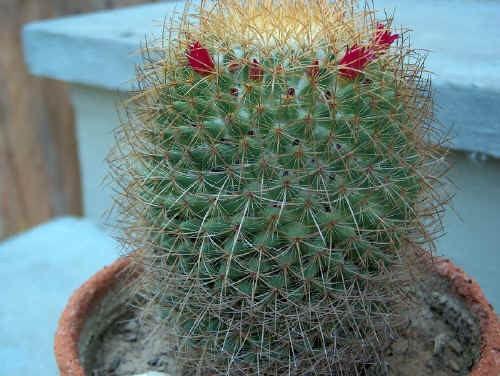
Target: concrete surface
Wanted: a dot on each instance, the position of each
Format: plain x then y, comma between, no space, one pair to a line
39,270
101,49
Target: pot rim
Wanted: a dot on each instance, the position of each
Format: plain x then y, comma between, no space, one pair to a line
79,307
88,296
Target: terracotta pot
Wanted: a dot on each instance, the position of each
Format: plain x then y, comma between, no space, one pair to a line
89,297
82,305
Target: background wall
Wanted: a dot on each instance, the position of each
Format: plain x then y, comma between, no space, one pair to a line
39,170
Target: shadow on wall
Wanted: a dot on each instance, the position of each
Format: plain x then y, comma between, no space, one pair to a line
472,226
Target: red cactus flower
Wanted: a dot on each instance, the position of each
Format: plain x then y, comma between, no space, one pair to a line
255,71
313,70
233,66
354,60
383,38
200,60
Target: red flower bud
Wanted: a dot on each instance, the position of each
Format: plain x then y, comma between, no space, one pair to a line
255,71
313,70
200,60
232,66
354,60
383,38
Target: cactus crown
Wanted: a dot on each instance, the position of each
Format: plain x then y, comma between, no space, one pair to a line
275,167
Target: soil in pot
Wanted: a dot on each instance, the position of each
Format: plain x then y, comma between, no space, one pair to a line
442,338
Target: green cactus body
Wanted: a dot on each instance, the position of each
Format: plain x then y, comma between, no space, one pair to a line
272,196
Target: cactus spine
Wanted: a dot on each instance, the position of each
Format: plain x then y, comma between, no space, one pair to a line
275,170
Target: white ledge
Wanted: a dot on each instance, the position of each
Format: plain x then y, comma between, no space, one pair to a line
463,37
96,49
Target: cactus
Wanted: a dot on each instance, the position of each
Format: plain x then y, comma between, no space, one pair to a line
276,172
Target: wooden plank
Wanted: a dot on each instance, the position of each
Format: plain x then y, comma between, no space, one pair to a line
39,173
